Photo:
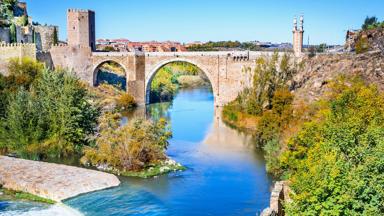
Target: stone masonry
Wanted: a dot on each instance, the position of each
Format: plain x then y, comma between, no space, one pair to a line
8,51
52,181
224,69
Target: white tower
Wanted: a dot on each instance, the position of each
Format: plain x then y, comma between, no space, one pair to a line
298,34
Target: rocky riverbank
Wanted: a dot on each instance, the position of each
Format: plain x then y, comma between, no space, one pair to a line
51,181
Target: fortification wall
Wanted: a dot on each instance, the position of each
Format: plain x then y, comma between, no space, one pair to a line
74,58
44,36
5,35
24,34
8,51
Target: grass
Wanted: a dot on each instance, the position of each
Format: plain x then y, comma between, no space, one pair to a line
18,195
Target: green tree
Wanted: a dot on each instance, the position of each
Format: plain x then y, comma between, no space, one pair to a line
52,119
55,36
369,22
336,161
12,31
321,48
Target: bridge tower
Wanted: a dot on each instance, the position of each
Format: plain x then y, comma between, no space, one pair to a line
81,28
298,33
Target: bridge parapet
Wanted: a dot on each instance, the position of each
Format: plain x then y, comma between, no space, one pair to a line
106,54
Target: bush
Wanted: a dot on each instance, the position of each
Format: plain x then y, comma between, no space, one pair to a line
125,102
128,148
335,163
362,45
52,119
23,73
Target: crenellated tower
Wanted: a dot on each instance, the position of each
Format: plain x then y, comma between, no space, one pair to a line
81,28
298,34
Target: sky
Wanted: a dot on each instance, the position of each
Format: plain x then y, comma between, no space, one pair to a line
325,21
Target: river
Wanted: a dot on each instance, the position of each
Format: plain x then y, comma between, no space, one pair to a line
226,174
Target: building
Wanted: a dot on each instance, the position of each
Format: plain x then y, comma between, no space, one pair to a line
81,28
298,33
125,45
43,36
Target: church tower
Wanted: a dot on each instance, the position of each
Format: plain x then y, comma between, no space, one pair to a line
81,28
298,33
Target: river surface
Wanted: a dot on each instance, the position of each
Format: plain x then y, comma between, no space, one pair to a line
226,174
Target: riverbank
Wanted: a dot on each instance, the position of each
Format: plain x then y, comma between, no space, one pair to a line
51,181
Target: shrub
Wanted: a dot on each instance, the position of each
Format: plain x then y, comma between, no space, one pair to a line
125,102
335,163
362,45
130,147
23,72
52,119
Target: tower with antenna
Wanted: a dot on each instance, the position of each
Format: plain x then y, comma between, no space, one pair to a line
298,34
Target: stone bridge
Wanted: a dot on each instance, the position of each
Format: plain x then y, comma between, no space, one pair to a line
224,69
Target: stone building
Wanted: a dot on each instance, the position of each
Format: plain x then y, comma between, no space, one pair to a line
298,33
81,28
42,36
45,37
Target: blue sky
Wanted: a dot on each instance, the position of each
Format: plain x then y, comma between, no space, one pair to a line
204,20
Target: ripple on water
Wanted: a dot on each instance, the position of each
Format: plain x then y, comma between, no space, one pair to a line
19,208
126,201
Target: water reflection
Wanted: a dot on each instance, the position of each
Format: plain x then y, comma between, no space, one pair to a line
225,176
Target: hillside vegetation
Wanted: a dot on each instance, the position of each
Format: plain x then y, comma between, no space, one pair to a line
320,123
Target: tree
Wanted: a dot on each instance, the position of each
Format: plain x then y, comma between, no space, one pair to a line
321,48
24,20
369,22
55,36
335,163
12,31
51,119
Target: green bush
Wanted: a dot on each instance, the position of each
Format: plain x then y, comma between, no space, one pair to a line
51,119
336,162
128,148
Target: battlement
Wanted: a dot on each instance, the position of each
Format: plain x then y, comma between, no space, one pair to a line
60,45
74,10
17,45
15,50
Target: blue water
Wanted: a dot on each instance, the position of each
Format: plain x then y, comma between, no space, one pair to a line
226,175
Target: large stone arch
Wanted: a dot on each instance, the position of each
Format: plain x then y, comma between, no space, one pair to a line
152,72
103,61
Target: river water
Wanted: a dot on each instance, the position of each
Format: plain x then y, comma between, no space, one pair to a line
226,174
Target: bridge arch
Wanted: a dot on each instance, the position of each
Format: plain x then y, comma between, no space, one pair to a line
99,64
152,72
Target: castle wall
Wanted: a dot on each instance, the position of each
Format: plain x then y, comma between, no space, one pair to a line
44,36
5,35
24,34
74,58
46,58
8,51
